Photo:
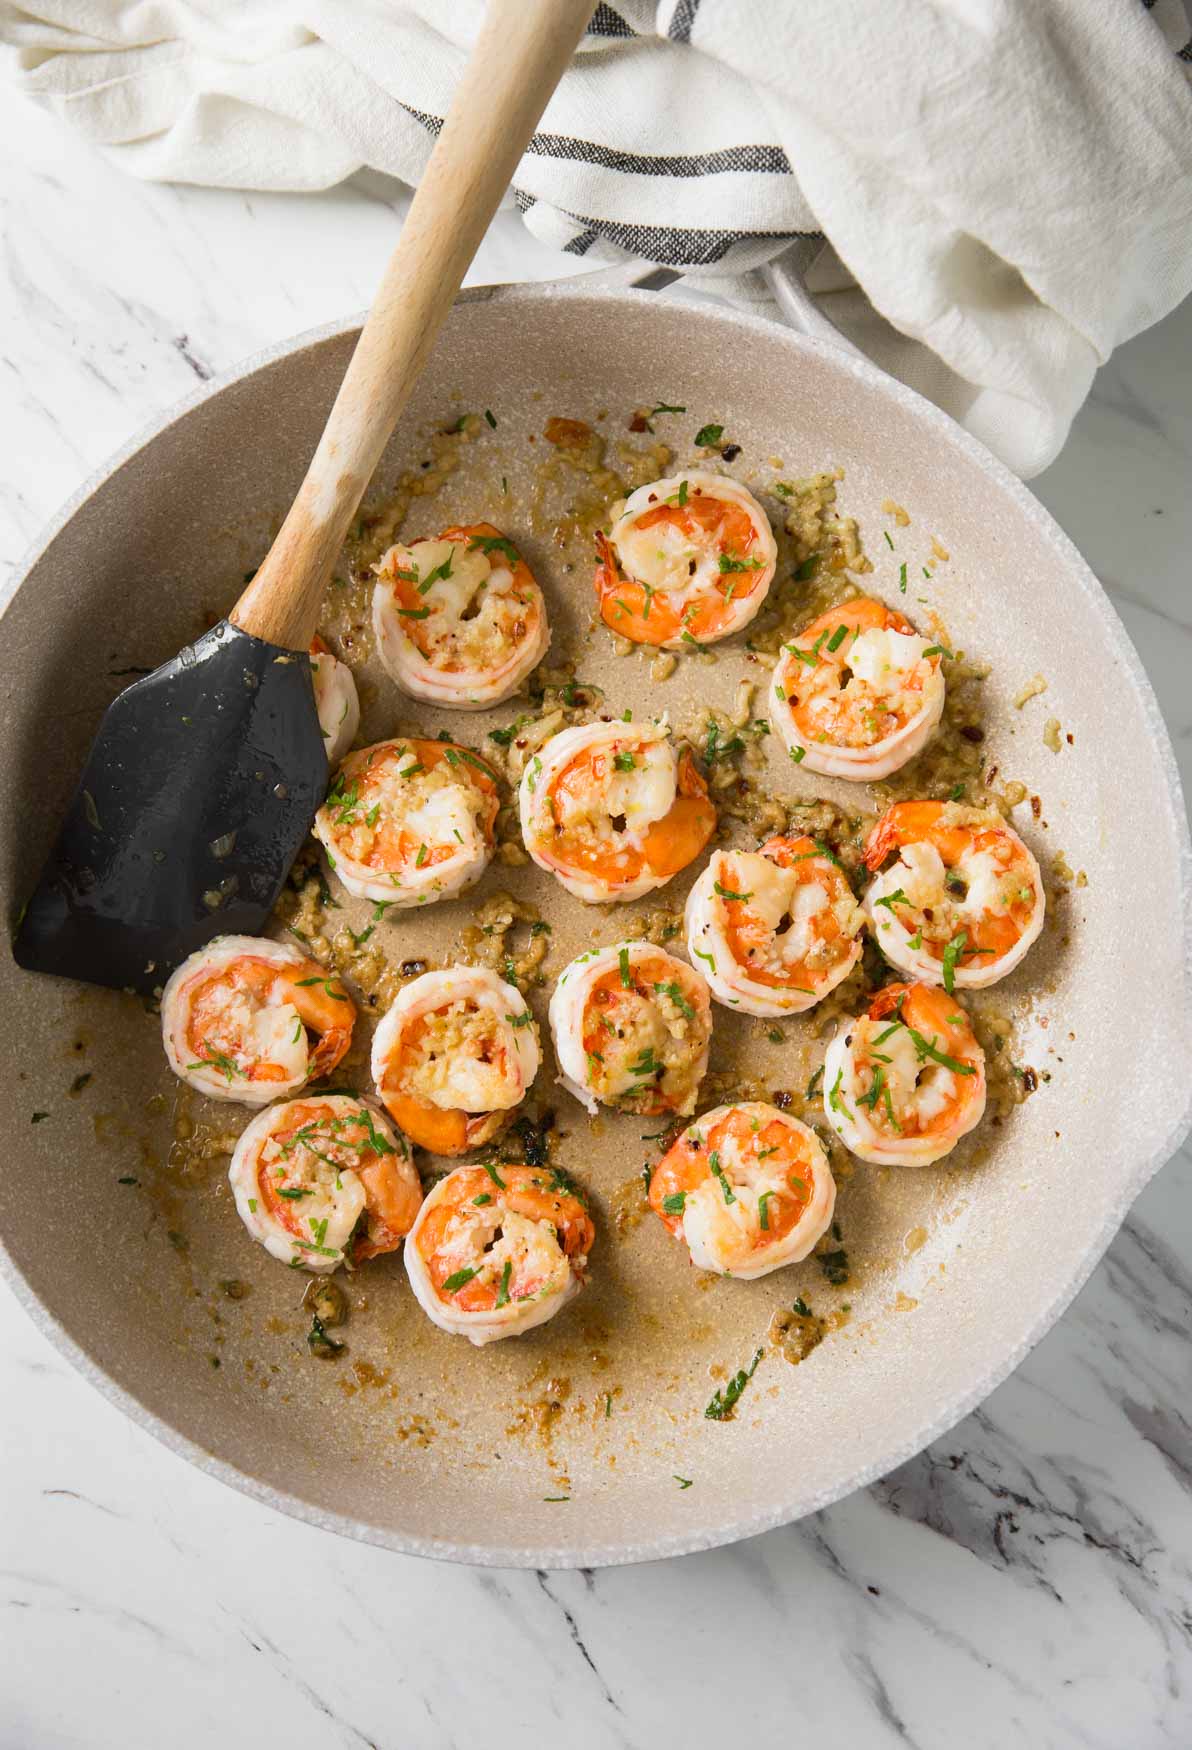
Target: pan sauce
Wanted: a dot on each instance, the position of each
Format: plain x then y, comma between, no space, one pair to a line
582,1374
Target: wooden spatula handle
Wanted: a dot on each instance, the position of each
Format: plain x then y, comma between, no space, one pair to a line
519,57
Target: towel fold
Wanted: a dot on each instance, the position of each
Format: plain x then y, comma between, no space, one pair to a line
1004,186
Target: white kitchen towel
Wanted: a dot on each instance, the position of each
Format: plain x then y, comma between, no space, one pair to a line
1005,185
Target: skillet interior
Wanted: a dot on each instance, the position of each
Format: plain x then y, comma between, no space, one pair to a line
442,1449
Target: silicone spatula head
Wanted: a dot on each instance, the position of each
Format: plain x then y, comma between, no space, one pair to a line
198,792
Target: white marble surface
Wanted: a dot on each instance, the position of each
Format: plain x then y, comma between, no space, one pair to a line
1027,1581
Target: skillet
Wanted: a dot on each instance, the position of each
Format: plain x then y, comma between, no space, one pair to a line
565,1447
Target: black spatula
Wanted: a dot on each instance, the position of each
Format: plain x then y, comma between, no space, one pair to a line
204,777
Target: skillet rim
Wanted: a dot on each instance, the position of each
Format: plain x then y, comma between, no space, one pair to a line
942,429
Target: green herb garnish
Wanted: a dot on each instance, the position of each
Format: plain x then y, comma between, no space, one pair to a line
458,1279
727,893
724,1401
494,544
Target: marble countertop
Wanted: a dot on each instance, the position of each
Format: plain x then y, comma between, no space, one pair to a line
1027,1580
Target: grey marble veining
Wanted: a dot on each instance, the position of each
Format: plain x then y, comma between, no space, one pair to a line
1026,1581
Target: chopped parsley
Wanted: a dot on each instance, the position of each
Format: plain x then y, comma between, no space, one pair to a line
708,436
763,1213
624,762
318,1340
835,1099
724,1400
727,893
503,1290
926,1048
503,737
647,414
623,963
834,1264
489,544
219,1060
675,993
458,1279
646,1065
953,952
340,996
721,1177
838,637
674,1204
443,572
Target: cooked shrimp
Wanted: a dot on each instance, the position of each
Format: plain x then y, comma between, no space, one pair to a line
324,1180
963,902
614,809
904,1083
238,1015
459,621
454,1058
774,930
409,821
689,560
858,692
336,700
747,1189
631,1027
498,1249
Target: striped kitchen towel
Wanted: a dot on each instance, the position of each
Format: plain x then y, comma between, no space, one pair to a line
1004,187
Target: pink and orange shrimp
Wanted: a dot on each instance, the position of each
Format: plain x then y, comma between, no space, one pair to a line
614,810
689,560
238,1017
963,901
631,1026
498,1249
454,1058
336,700
409,821
774,930
747,1189
905,1081
459,621
858,692
324,1180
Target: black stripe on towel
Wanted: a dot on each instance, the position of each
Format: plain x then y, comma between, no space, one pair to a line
758,160
606,22
682,19
672,246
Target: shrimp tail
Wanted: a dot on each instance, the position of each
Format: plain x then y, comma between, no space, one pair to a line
903,823
887,1000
